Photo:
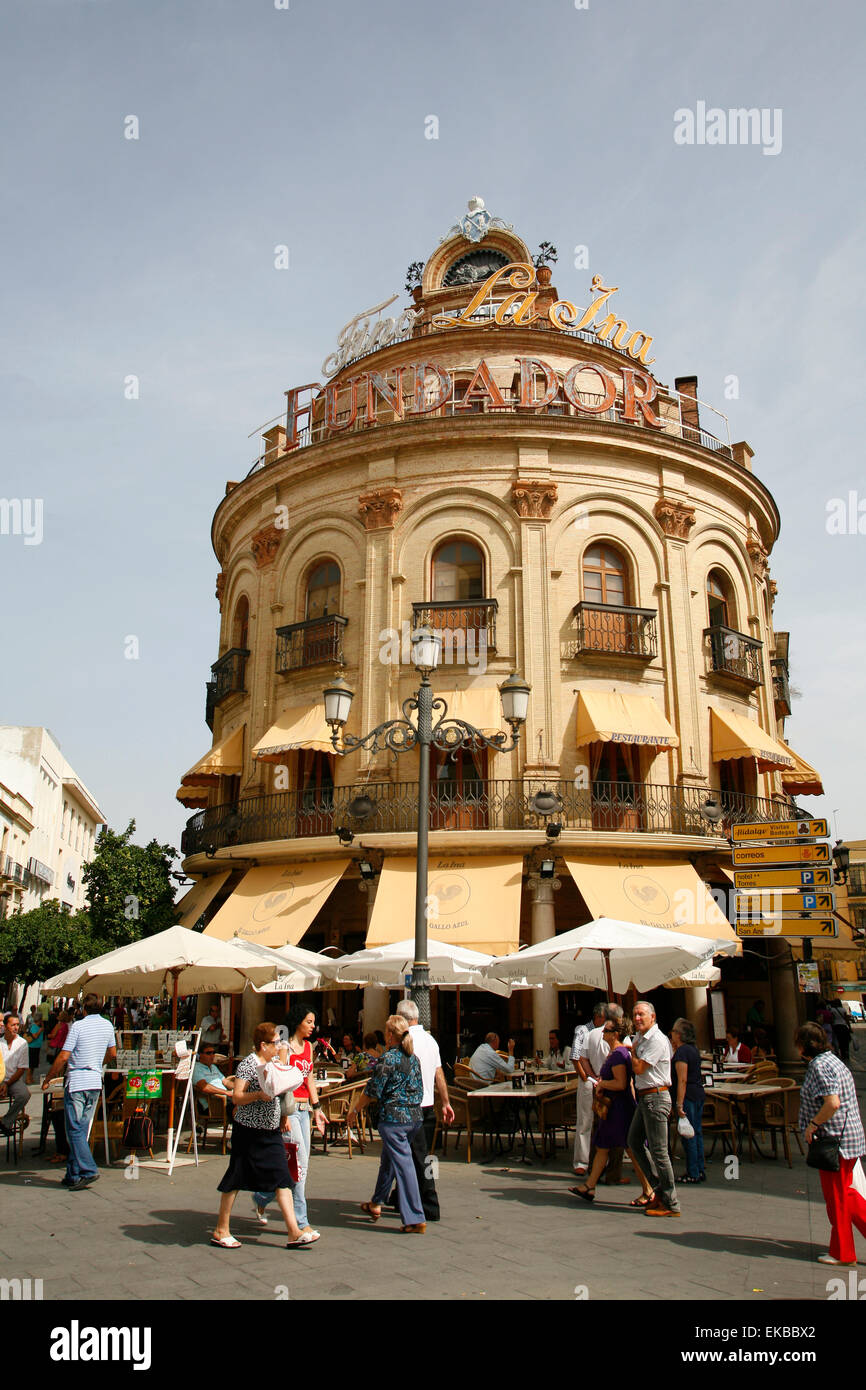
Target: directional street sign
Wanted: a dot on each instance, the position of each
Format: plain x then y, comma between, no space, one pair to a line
789,926
782,854
807,879
769,904
780,830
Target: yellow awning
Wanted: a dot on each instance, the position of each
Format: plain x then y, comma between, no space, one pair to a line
478,705
302,726
473,901
603,717
736,736
801,780
225,759
199,898
275,904
193,796
660,893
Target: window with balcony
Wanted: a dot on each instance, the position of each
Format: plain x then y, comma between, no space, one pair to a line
458,607
319,638
316,795
617,787
459,790
605,621
732,653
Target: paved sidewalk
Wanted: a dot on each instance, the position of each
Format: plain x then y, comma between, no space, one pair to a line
509,1231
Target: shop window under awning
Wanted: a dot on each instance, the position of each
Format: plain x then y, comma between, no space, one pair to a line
274,904
667,894
474,901
605,717
225,759
736,736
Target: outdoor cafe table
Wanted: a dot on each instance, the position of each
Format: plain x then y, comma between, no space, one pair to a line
737,1092
520,1103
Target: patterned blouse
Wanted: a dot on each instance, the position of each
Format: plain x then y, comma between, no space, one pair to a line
260,1114
827,1076
396,1084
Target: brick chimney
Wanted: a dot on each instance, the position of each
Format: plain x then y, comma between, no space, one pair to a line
687,386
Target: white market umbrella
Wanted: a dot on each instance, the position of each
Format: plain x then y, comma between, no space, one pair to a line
449,965
298,969
611,955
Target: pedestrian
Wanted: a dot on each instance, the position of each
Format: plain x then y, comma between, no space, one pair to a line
88,1046
583,1065
301,1024
34,1032
651,1065
829,1109
13,1049
398,1087
434,1083
841,1030
57,1036
687,1093
615,1107
595,1051
258,1154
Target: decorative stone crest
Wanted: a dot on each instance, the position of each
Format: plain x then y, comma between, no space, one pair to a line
265,544
774,589
378,508
757,554
675,518
220,588
532,499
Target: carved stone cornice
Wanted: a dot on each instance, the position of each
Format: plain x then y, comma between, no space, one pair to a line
220,588
757,554
774,589
379,507
675,518
265,544
533,499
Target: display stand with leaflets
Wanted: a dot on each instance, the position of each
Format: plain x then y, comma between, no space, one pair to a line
147,1057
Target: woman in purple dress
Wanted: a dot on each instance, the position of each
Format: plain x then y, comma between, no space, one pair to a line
613,1092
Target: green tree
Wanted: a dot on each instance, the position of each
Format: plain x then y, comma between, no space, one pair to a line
129,889
38,944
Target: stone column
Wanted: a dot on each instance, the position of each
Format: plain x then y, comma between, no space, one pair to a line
545,1004
698,1013
375,996
787,1008
252,1012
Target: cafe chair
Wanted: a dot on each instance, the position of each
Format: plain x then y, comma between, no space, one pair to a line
761,1071
215,1117
462,1108
778,1114
556,1112
337,1106
718,1118
15,1137
462,1070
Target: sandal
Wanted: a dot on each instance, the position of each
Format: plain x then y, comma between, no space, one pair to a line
305,1238
225,1242
371,1210
685,1178
587,1193
640,1201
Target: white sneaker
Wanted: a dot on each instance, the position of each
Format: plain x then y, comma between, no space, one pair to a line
259,1213
831,1260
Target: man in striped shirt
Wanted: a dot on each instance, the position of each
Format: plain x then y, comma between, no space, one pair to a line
89,1045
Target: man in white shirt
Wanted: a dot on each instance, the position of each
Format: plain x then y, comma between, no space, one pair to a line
486,1062
89,1044
16,1058
583,1064
434,1083
651,1064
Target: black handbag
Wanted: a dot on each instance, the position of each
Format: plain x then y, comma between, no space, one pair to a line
823,1152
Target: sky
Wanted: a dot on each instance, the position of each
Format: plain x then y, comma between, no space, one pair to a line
307,127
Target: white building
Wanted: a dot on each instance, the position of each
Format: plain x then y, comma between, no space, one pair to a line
48,822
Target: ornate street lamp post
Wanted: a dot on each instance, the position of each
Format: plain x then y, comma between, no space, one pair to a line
401,735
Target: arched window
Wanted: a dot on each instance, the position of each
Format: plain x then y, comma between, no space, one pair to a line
605,586
323,590
720,600
241,625
458,573
605,577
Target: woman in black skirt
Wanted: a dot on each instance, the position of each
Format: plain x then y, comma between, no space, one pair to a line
258,1161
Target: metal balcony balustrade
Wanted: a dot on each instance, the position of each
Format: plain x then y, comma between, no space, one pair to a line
227,677
476,805
466,626
734,654
311,643
14,871
607,629
781,687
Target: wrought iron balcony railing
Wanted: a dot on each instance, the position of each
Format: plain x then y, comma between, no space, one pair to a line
607,629
466,628
734,654
781,688
312,643
16,873
476,805
227,677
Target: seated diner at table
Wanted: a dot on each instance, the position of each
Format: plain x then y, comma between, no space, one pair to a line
486,1062
557,1057
207,1079
736,1050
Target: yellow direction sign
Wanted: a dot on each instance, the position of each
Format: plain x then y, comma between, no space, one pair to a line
789,926
782,854
769,904
808,880
780,830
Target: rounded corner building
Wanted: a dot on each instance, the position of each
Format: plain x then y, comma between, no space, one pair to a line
504,466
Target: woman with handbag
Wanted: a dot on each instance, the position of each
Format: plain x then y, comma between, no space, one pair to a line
296,1109
613,1106
830,1120
397,1086
258,1160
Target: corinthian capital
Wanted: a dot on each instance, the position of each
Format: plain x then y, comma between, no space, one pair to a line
379,507
675,518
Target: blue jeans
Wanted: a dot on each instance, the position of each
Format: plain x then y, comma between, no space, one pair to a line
694,1148
78,1106
300,1133
396,1165
649,1127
